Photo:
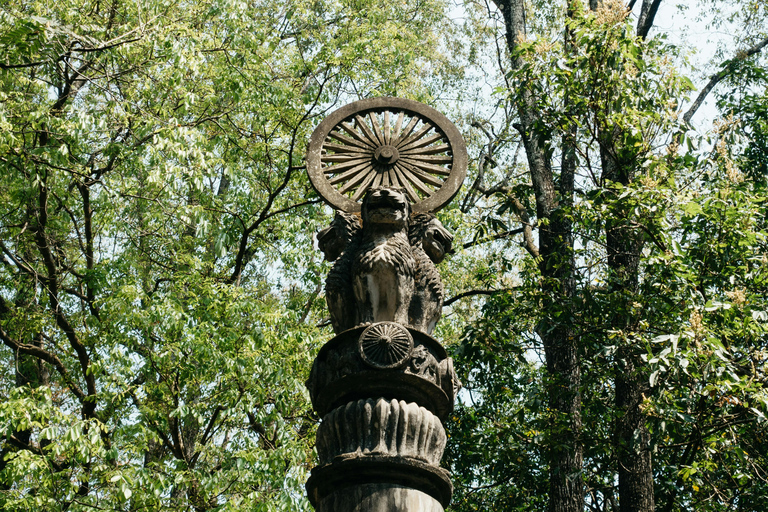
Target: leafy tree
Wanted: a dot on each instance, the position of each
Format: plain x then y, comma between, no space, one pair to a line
158,291
160,304
567,372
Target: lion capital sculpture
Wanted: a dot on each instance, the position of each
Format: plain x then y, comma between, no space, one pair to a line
385,265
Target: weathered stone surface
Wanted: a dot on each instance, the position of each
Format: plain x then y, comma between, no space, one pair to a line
343,234
385,266
383,384
380,427
340,374
379,498
344,475
385,345
392,141
430,242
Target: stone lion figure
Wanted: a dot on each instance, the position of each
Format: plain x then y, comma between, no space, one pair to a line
384,264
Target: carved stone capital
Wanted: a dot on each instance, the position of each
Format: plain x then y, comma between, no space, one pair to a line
424,375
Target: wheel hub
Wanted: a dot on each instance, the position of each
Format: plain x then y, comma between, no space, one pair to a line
386,155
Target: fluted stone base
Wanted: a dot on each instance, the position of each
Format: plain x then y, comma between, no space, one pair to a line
381,427
350,475
378,498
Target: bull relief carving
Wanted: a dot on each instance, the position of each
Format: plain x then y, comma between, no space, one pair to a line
383,385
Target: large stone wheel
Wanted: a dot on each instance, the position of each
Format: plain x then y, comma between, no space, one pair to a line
387,142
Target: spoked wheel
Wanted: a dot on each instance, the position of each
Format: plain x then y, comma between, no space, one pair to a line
382,142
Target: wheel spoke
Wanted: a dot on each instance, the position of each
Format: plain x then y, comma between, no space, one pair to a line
340,178
392,176
356,135
377,180
360,192
336,169
408,129
387,136
398,126
430,159
360,177
423,142
432,169
397,351
418,173
342,157
349,140
416,181
338,148
367,130
406,185
376,128
403,145
429,150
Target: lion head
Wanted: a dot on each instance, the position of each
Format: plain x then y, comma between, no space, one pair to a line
333,240
386,206
426,230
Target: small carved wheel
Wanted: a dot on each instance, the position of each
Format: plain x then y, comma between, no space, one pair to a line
385,345
387,142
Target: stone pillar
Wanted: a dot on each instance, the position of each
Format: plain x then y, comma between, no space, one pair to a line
382,391
383,385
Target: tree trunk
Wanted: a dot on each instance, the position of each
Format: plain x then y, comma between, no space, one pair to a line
631,436
623,245
557,270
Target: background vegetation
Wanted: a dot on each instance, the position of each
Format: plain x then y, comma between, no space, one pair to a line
160,300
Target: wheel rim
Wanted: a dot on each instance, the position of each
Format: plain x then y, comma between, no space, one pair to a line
387,142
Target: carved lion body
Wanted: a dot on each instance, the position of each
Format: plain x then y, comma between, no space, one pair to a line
383,266
430,242
340,239
385,269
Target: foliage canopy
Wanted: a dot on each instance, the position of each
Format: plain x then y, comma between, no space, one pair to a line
160,303
158,291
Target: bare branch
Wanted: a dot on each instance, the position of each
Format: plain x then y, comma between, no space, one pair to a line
647,15
491,238
470,293
715,79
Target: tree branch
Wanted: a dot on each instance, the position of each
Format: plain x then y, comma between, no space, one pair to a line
18,443
715,79
241,258
491,238
470,293
51,284
647,14
48,357
528,241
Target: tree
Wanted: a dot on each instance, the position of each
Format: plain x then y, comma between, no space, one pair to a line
159,303
158,292
611,182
